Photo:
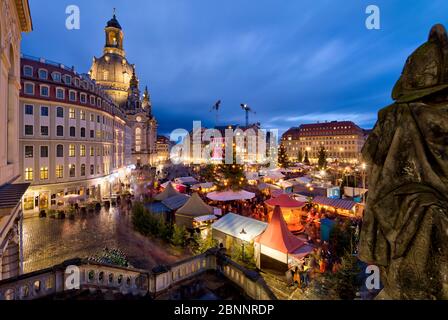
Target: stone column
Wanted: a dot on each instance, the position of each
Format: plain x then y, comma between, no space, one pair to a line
10,259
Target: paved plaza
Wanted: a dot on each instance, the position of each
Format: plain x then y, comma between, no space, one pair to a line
47,242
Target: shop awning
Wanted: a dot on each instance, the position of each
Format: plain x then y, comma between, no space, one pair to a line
11,194
335,203
205,218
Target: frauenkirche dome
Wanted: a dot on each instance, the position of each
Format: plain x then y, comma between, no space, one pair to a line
112,71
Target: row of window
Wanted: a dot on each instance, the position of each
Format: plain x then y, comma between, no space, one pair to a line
105,151
72,114
44,131
56,76
44,91
59,172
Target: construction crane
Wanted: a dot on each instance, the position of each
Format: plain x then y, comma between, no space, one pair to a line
216,108
247,109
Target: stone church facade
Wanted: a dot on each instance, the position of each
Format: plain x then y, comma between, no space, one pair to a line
118,77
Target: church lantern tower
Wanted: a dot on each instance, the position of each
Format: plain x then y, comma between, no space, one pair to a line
112,70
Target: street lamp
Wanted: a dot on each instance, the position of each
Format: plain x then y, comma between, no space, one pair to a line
243,234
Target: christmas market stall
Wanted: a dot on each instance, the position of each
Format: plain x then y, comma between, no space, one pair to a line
342,207
195,213
291,209
278,247
235,230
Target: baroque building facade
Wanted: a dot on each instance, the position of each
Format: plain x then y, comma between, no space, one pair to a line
118,77
72,136
15,18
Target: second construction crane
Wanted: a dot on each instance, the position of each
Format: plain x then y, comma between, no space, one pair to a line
247,109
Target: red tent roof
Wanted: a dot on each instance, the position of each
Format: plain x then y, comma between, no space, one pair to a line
277,235
284,201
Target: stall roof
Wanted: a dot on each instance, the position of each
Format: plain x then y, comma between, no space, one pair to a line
186,180
169,191
195,206
284,201
175,202
232,224
205,218
230,195
204,185
277,235
335,203
157,207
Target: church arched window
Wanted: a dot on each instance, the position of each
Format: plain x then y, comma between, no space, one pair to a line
138,139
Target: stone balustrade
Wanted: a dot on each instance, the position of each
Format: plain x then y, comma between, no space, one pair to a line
95,276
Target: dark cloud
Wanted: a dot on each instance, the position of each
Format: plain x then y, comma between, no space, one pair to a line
292,61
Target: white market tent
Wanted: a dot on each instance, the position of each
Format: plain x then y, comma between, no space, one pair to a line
204,185
230,195
232,224
186,180
274,175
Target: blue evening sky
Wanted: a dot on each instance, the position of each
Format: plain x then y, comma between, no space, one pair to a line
292,61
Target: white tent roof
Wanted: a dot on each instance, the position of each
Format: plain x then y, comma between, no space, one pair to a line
184,180
205,185
230,195
274,175
205,218
232,224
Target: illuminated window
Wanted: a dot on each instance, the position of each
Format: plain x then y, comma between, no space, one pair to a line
82,115
71,113
83,170
82,150
44,173
28,174
92,151
59,171
71,150
138,139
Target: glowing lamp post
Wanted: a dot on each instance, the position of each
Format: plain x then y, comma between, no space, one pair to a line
243,234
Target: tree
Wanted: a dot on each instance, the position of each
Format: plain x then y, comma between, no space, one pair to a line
204,243
230,176
306,160
207,173
248,260
282,157
179,236
300,156
322,158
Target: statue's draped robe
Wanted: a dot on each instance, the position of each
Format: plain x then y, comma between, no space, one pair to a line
405,225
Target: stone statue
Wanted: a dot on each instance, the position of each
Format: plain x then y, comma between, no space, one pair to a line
405,226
